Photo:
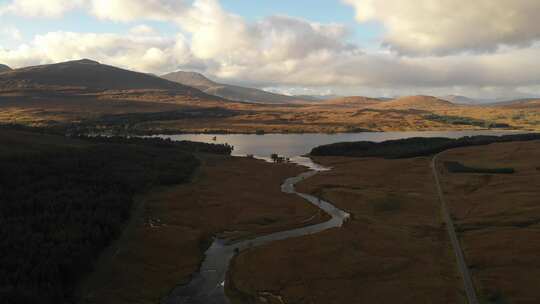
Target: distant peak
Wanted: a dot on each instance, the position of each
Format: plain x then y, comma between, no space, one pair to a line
85,61
4,67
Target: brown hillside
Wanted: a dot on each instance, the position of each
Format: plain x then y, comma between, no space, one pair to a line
353,100
231,92
427,103
519,104
191,79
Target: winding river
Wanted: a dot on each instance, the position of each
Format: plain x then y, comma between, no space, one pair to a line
208,285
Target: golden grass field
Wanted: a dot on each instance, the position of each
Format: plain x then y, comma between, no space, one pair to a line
395,249
343,115
498,216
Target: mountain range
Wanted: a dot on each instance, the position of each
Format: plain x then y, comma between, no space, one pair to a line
231,92
87,76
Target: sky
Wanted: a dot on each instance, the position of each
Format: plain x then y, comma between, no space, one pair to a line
378,48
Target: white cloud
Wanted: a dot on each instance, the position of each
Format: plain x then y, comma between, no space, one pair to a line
9,33
451,26
116,10
146,53
129,10
39,8
233,47
290,53
143,30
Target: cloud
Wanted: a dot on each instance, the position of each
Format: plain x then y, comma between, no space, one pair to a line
452,26
39,8
232,46
116,10
129,10
142,53
143,30
9,33
286,52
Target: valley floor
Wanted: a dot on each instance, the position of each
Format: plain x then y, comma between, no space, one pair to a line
498,218
394,250
231,197
168,114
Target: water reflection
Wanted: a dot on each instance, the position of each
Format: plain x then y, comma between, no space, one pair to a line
292,145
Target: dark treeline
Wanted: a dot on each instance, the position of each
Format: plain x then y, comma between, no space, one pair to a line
413,147
131,123
62,204
188,146
465,121
456,167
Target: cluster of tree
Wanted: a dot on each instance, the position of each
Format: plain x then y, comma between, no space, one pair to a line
188,146
466,121
61,205
130,123
413,147
456,167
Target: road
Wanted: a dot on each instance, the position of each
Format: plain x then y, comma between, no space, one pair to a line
462,265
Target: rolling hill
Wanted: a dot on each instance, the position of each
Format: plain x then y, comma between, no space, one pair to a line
458,99
353,101
518,103
231,92
420,102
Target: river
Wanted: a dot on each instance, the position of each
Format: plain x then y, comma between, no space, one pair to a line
208,285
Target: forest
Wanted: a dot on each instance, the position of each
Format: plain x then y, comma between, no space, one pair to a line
457,167
466,121
62,201
413,147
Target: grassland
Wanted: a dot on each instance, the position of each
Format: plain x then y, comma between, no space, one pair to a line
498,217
234,198
153,113
395,248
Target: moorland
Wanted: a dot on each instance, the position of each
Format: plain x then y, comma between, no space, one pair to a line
125,219
95,97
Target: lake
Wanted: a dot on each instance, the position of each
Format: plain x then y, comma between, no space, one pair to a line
293,145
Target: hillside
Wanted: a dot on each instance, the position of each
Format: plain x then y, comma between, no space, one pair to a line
420,102
458,99
87,76
230,92
353,100
191,79
4,68
518,104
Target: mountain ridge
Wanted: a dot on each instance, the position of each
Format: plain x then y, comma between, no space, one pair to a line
4,68
231,92
89,76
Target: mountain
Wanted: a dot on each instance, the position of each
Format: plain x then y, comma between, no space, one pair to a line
458,99
191,79
419,102
4,68
230,92
87,76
